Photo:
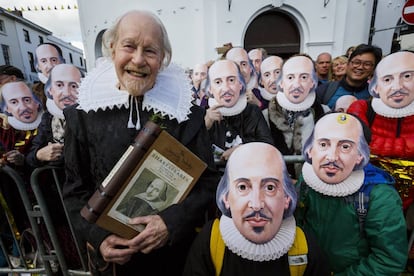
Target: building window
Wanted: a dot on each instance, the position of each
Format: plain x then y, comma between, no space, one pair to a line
6,53
31,61
40,39
81,61
70,58
2,28
26,35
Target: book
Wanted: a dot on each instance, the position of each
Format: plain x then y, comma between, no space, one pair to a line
155,172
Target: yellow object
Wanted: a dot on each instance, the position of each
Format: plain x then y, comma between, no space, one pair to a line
297,254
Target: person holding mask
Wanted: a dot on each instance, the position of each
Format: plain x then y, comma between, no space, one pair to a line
47,56
230,120
241,58
269,73
132,85
21,115
256,229
62,91
295,109
348,204
390,115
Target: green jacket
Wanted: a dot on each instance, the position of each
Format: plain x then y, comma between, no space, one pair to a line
334,222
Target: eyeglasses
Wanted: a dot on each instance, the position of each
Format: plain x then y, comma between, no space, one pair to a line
365,64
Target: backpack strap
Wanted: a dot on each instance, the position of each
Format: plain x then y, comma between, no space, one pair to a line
297,254
370,113
217,247
330,91
361,207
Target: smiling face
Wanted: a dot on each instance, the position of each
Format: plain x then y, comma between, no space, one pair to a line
360,68
256,197
339,66
334,151
270,71
395,79
137,52
47,58
224,82
297,79
20,102
65,79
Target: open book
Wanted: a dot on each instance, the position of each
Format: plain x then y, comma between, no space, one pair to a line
162,175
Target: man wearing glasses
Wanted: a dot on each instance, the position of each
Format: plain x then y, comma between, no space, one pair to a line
361,66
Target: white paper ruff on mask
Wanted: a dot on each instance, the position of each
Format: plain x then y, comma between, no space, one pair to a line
347,187
271,250
170,96
266,94
286,104
19,125
42,77
54,109
384,110
230,111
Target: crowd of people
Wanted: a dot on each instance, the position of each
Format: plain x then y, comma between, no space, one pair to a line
344,207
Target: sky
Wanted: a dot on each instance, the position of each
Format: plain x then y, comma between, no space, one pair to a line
64,23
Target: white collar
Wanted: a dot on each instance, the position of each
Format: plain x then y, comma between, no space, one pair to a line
42,77
347,187
252,82
266,94
19,125
286,104
384,110
54,109
230,111
171,94
268,251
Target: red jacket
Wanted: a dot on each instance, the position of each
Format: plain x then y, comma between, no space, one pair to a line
391,137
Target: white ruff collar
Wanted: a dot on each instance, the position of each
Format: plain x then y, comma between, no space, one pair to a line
286,104
171,94
344,188
42,77
266,94
230,111
268,251
384,110
19,125
54,109
252,82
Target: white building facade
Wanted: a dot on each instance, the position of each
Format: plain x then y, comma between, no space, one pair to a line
283,27
19,39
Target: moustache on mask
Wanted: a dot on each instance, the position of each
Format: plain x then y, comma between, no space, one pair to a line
296,90
398,92
257,213
330,164
26,112
226,94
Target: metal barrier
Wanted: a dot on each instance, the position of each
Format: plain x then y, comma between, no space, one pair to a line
33,215
36,187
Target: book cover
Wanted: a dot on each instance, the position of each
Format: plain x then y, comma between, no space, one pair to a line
164,176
